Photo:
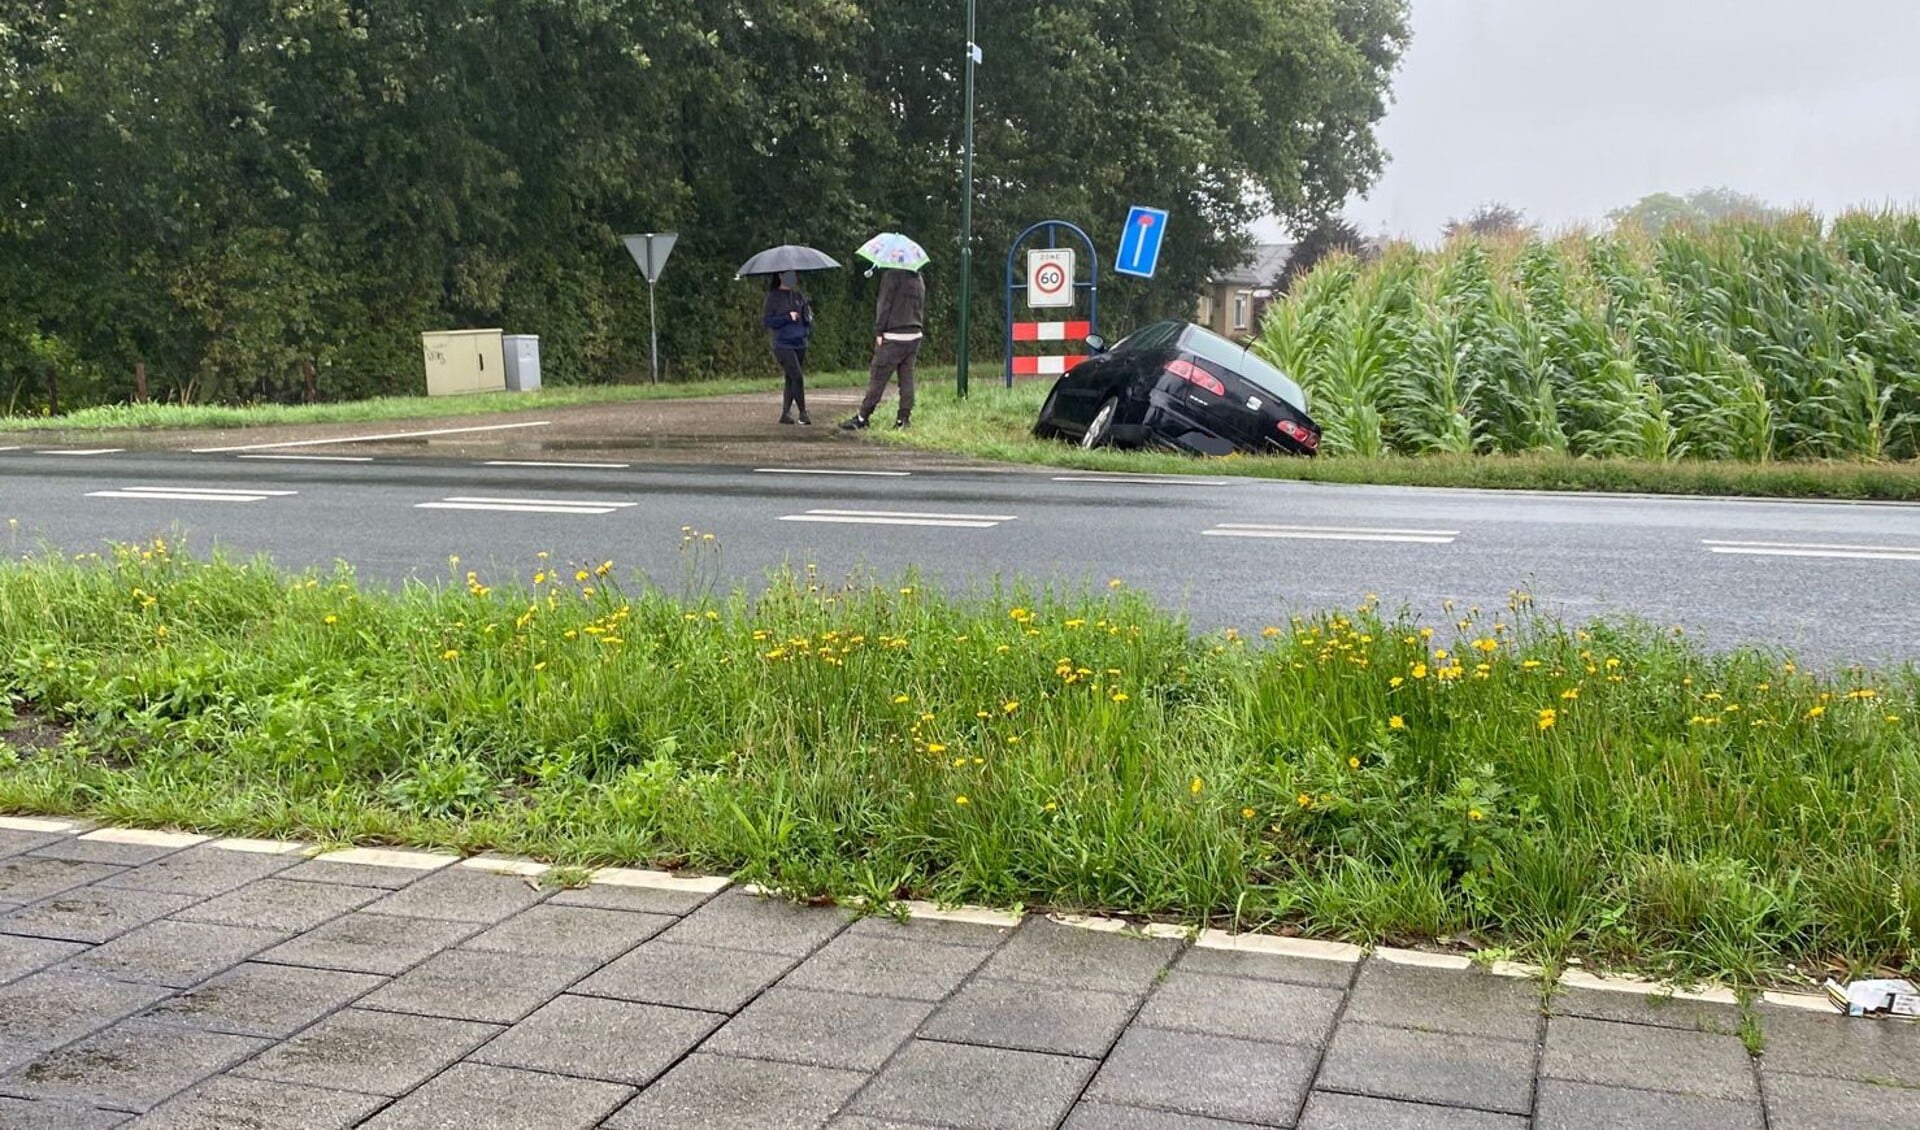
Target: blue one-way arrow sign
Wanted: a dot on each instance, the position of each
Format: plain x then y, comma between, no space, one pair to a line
1140,242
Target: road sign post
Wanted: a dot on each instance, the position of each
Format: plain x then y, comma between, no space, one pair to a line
966,211
1139,253
650,252
1047,269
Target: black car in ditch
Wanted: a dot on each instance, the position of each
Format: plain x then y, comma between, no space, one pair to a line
1178,385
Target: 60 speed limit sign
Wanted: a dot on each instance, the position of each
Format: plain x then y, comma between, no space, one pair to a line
1049,278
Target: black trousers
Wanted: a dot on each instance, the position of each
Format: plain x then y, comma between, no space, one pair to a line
793,364
890,358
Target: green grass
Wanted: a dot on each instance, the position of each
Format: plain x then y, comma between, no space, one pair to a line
1613,792
994,423
148,417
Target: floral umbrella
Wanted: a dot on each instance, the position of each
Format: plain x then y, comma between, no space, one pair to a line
892,251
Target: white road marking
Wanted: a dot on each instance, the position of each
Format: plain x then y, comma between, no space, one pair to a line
1331,533
525,505
901,518
1798,549
366,439
314,458
192,494
1142,480
825,471
556,463
82,451
15,447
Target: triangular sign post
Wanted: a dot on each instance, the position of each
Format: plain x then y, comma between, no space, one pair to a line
650,252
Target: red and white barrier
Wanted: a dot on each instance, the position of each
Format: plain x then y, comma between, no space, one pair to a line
1043,366
1051,331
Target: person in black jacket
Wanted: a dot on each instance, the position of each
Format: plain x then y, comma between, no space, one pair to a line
899,321
789,318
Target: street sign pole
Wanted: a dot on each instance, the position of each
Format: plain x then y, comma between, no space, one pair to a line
653,329
650,253
966,209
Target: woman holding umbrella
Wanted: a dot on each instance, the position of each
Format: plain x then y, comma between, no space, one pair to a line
788,316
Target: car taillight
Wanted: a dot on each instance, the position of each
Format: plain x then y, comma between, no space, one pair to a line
1194,374
1299,435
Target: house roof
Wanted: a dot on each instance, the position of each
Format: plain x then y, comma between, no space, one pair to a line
1262,265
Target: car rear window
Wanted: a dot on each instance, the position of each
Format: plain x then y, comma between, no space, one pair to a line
1244,361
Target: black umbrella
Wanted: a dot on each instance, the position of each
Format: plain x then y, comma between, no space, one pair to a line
786,257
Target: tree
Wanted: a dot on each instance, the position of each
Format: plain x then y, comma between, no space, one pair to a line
1490,220
1656,213
1333,234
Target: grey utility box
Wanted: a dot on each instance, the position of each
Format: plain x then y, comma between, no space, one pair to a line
523,362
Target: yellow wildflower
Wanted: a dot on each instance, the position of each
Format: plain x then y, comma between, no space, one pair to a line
1196,787
450,654
936,747
1396,723
1305,800
1120,696
1547,719
1475,814
899,698
961,800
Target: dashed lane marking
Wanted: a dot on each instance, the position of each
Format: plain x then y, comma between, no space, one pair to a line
1331,533
526,505
901,518
369,439
556,463
1143,480
80,451
829,471
313,458
1815,549
191,494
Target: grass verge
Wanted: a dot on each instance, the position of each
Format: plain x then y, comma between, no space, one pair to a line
151,417
993,423
1614,792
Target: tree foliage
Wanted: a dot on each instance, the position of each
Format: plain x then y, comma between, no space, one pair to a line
225,189
1655,213
1491,220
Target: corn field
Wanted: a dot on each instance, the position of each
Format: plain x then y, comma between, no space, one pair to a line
1755,341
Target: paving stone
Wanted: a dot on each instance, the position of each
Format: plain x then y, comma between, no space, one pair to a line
45,1010
498,988
1655,1010
701,977
353,874
1459,1070
276,904
920,931
132,1066
1069,957
92,914
176,954
1808,1102
1583,1106
857,1033
45,1114
200,870
1027,1017
369,943
736,920
1268,967
1105,1116
1211,1076
1446,1000
1840,1047
717,1092
256,999
27,878
887,966
641,900
501,1098
570,931
598,1038
13,842
231,1102
1252,1010
1655,1059
1329,1111
382,1053
462,894
979,1088
102,851
20,955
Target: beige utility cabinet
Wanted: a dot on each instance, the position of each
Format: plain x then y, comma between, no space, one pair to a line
463,361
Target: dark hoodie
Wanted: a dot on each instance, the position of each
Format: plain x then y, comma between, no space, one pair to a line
788,332
903,304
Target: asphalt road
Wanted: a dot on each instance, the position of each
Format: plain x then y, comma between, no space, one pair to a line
1829,582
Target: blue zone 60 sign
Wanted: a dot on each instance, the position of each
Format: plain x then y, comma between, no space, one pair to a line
1140,242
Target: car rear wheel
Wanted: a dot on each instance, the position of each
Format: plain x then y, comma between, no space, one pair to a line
1100,431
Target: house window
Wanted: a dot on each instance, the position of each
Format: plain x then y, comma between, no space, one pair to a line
1206,310
1242,299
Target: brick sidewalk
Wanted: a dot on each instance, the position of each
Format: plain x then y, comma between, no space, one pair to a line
161,981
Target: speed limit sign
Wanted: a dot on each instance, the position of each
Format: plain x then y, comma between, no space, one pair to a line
1049,278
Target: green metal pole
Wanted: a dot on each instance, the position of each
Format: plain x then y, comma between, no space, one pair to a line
966,211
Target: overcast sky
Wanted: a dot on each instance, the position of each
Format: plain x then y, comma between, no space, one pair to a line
1567,108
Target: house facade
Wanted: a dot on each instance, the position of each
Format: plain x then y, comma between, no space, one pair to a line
1232,303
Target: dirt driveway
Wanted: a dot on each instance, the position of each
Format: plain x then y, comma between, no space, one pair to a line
740,430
